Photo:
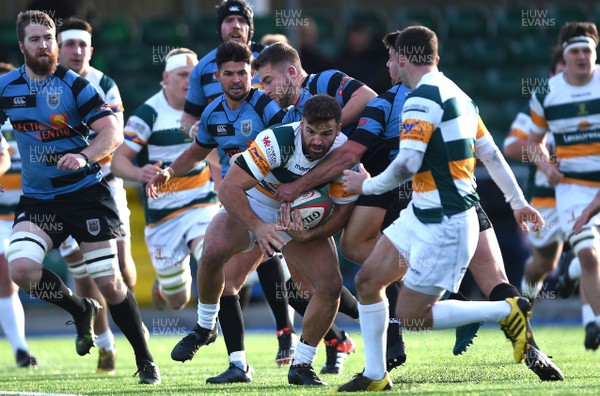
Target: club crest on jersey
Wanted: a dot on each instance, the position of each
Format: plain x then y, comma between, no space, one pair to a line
52,100
246,127
93,226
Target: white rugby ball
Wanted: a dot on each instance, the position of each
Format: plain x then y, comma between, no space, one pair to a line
314,207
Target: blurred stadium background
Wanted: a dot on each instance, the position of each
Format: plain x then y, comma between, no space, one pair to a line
494,50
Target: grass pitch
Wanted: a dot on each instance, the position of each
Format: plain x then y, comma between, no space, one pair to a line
431,369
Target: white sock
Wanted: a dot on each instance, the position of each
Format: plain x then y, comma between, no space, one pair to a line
587,315
207,315
453,313
530,289
106,341
239,359
575,268
12,320
305,354
374,319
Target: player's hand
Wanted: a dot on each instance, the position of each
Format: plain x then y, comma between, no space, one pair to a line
194,130
590,211
1,188
148,171
290,221
268,239
156,182
289,191
353,181
529,215
71,161
551,171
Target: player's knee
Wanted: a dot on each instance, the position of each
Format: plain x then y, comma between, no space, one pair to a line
366,285
588,259
332,288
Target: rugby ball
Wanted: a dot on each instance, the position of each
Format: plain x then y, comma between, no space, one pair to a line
314,207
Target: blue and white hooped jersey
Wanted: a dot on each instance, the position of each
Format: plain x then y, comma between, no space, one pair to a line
204,87
380,120
331,82
232,131
50,118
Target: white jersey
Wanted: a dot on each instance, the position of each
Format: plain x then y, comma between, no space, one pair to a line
276,157
154,132
11,180
572,114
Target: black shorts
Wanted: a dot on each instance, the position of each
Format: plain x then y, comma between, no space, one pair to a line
484,220
89,215
375,160
400,199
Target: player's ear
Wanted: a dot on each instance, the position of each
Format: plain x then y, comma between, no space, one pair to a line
217,75
339,129
21,47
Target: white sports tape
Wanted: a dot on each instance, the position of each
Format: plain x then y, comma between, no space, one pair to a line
577,42
180,60
76,34
26,245
587,238
176,278
102,262
77,269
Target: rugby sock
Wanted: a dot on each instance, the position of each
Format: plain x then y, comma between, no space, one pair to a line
305,354
452,313
575,268
126,316
232,323
238,359
373,326
12,320
394,331
245,294
106,341
501,292
52,289
587,314
273,284
348,303
207,315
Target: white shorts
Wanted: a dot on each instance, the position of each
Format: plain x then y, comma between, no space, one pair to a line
438,254
168,240
571,199
552,231
5,232
120,196
268,214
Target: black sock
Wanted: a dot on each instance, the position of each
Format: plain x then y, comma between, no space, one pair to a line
126,316
52,289
273,284
394,331
245,294
348,303
457,296
232,323
503,291
334,332
294,297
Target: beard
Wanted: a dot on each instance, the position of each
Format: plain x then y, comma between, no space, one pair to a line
41,67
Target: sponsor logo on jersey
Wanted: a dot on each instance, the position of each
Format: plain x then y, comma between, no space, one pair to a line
301,168
246,126
58,120
221,130
93,226
19,101
10,102
259,160
266,141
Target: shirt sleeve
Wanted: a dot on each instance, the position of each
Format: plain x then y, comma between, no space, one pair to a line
139,127
262,156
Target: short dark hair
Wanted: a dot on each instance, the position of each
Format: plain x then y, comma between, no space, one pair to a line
235,7
74,23
418,44
575,29
557,57
322,108
277,54
390,39
232,51
31,17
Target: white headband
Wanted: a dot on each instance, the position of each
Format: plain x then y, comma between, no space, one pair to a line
577,42
180,60
76,34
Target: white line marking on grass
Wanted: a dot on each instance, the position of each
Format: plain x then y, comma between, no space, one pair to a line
35,394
